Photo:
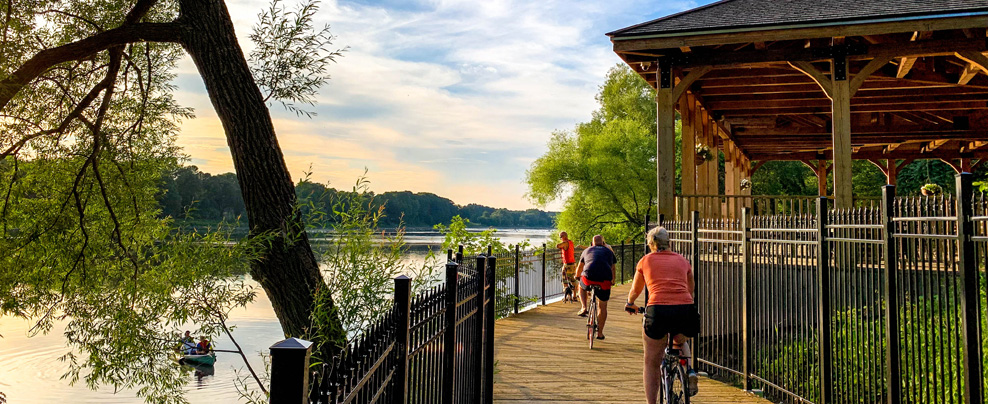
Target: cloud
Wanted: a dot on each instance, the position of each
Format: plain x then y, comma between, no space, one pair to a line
453,97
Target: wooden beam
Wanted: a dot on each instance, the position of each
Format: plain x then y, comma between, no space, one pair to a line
867,70
952,164
688,172
934,145
881,166
822,169
787,34
687,81
969,72
842,147
665,143
755,167
976,62
810,164
978,164
816,75
905,64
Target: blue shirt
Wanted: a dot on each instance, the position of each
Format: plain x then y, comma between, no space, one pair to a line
597,262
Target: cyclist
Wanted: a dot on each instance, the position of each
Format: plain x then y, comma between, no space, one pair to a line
566,249
596,268
669,309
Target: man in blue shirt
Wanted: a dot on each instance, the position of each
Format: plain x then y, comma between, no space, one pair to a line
596,268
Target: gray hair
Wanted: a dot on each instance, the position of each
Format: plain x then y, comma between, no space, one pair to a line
659,237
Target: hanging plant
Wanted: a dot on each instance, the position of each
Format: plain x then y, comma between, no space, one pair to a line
703,154
931,190
745,183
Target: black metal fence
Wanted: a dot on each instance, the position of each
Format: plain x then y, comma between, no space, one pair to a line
867,305
435,347
533,277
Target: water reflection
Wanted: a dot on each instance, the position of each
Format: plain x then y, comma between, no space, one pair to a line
30,369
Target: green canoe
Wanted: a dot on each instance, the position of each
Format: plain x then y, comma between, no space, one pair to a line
207,360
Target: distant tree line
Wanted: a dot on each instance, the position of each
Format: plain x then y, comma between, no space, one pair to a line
189,194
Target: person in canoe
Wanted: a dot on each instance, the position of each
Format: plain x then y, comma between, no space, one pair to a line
188,346
204,347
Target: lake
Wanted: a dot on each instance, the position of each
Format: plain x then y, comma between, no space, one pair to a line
30,371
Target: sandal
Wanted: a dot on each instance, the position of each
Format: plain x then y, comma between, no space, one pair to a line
600,337
582,313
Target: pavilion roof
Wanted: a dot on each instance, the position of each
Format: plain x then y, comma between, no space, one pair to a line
763,14
923,94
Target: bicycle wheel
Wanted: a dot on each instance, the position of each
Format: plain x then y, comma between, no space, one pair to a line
678,386
592,319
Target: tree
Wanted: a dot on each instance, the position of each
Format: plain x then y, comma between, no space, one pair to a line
608,163
86,127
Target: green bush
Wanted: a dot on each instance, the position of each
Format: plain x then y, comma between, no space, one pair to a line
924,323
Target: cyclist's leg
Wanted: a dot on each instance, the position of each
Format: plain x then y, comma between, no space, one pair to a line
583,295
602,297
654,352
683,343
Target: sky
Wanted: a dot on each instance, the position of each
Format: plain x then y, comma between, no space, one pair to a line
453,97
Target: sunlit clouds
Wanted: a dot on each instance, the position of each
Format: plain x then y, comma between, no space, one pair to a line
451,97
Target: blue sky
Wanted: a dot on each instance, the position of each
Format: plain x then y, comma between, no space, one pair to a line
451,97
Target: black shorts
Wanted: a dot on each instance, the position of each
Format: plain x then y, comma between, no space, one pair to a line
661,320
602,294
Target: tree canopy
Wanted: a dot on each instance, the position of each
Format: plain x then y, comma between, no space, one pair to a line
604,169
87,124
188,194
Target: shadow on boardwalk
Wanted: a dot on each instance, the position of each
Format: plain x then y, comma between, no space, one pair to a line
543,357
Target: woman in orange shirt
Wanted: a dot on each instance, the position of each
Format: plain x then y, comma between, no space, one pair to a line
669,309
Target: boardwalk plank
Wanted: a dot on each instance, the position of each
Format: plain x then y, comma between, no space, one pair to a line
543,357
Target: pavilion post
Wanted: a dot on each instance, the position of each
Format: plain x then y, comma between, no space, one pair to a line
842,132
687,108
665,152
891,171
822,168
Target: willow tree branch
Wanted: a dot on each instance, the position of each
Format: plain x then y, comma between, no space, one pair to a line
30,70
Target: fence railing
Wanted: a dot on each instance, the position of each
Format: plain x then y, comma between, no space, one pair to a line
880,304
434,347
730,206
528,278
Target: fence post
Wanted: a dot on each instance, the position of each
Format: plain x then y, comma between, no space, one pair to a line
823,292
695,261
746,295
459,254
543,273
481,312
489,329
517,270
403,308
290,371
449,254
971,304
449,333
622,261
890,264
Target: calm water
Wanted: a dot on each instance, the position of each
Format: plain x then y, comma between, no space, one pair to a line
30,371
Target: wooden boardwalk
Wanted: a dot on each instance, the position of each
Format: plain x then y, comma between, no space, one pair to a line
543,357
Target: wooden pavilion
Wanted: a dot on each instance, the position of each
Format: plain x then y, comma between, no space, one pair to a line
818,81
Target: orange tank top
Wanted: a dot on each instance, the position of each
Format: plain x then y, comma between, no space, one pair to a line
568,253
666,277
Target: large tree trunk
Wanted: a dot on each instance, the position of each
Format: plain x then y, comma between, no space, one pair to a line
288,271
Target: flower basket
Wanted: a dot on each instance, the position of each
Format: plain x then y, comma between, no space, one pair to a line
703,154
745,183
931,190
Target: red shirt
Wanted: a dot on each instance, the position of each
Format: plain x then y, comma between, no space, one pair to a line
666,278
568,253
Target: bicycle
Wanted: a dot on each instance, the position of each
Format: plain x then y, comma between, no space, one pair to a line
673,377
592,315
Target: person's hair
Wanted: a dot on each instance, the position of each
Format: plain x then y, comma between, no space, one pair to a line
659,237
